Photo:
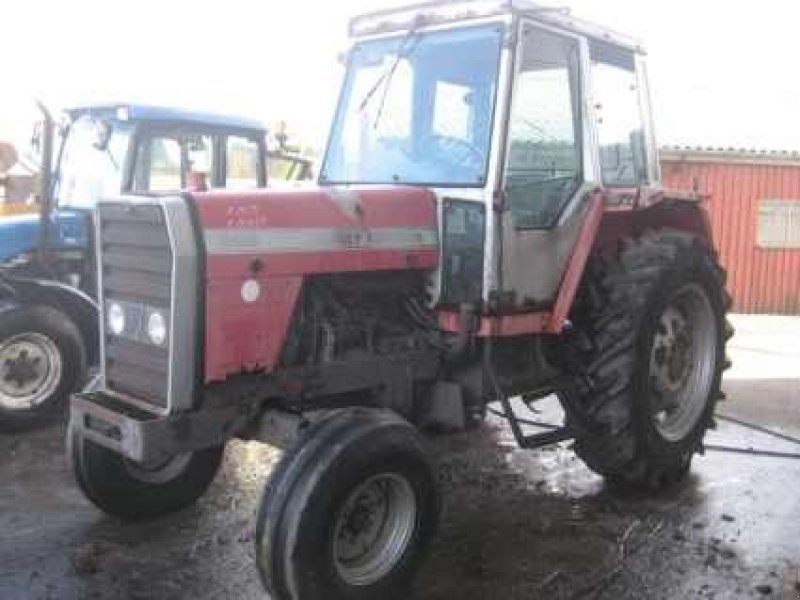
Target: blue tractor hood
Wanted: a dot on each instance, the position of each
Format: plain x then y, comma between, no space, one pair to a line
19,234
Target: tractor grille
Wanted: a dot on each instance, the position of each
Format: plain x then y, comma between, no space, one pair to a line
136,273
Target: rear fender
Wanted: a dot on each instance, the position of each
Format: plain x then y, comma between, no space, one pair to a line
683,215
78,306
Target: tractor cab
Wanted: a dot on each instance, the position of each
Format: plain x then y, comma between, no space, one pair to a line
48,311
134,149
106,151
512,113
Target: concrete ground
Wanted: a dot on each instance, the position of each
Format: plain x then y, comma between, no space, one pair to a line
516,524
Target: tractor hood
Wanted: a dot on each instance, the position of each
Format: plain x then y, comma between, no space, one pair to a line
19,234
261,246
310,221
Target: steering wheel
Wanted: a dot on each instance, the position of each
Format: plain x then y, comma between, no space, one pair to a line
459,152
441,150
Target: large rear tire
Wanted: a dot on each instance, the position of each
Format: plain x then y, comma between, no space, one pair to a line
648,348
348,511
134,491
42,361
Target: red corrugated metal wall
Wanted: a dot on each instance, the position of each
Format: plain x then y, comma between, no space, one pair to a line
761,280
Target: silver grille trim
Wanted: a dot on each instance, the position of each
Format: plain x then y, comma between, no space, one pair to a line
183,338
148,253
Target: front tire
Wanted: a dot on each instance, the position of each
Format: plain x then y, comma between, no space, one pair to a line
648,350
133,491
348,511
42,361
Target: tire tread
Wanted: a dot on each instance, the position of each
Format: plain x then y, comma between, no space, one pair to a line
613,301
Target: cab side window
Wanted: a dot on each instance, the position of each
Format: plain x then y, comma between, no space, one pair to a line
163,166
199,155
620,125
544,167
164,162
242,163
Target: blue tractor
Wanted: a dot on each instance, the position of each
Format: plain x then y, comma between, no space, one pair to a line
48,314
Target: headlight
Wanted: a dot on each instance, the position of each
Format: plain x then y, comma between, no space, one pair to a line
157,328
116,319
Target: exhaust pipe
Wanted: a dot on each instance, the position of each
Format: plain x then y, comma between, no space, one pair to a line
45,181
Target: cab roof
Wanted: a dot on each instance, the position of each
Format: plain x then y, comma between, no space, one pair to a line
146,112
443,12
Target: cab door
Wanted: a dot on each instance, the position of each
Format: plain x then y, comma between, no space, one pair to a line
549,166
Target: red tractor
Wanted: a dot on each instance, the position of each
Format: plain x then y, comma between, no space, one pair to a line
488,224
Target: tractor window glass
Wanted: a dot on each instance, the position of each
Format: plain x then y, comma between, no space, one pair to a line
544,167
417,109
199,153
242,164
620,130
165,165
92,162
174,161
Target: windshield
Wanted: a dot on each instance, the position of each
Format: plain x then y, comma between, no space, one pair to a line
417,109
92,162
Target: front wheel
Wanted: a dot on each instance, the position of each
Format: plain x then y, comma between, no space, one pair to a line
348,511
132,491
42,360
648,347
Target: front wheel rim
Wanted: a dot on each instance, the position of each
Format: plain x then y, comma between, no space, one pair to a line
30,370
683,361
374,528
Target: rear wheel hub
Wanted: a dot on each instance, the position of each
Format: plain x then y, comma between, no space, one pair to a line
682,362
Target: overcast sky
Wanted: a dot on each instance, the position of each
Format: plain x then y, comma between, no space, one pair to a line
722,72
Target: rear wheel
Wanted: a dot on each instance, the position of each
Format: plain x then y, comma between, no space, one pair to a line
648,348
42,360
130,490
348,511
